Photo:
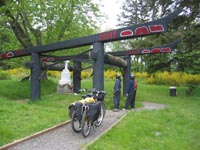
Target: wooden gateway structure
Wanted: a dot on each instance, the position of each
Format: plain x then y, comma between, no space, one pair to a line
97,53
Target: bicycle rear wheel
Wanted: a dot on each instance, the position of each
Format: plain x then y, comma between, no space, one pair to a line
85,125
98,122
75,123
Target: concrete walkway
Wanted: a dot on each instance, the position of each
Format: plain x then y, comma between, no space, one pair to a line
64,138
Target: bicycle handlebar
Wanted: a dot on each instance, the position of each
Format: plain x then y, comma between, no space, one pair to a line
98,91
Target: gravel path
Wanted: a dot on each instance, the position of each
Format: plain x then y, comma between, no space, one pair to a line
64,138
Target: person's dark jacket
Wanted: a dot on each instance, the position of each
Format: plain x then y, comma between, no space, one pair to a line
117,86
130,87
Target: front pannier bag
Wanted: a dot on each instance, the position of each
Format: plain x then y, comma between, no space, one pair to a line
94,110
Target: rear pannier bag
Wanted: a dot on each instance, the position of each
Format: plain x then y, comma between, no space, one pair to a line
71,109
94,110
78,110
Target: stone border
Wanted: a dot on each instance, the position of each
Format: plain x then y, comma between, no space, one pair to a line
95,139
5,147
146,106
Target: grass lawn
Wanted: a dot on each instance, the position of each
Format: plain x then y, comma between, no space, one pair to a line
176,127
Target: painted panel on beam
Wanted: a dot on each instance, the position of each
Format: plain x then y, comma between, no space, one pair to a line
156,50
146,51
156,28
166,49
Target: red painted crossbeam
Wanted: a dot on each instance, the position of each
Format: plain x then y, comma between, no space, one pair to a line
134,31
159,49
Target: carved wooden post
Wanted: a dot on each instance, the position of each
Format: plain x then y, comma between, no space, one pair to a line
35,75
127,72
98,67
77,76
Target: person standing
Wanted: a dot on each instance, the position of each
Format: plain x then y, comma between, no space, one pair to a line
117,92
135,90
130,93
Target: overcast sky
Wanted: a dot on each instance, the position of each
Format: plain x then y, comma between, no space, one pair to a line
111,8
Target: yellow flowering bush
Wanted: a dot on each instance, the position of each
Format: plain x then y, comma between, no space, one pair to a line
4,75
151,80
141,75
86,74
18,72
190,79
54,74
175,78
110,74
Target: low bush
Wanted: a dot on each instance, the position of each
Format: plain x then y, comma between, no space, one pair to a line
4,75
175,78
166,78
54,74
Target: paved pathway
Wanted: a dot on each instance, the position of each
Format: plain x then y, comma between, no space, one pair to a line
63,138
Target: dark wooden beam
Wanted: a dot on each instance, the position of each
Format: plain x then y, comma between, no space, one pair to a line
116,61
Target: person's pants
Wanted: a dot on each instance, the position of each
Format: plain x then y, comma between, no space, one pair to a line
130,100
116,100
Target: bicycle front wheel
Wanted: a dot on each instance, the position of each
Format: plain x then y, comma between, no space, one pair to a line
98,122
75,123
85,125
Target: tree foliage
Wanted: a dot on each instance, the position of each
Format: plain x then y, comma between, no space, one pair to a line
39,22
185,25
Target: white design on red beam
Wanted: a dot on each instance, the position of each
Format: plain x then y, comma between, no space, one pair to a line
146,51
156,28
10,54
166,50
156,50
141,31
126,33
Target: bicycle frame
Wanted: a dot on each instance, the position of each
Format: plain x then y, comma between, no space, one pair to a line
76,122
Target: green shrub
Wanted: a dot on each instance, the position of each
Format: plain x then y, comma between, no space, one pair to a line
110,74
166,78
174,78
190,90
141,75
4,75
86,74
54,74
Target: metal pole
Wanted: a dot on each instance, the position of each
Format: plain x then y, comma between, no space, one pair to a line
98,67
35,74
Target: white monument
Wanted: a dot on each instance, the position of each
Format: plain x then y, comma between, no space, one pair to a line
65,75
65,85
